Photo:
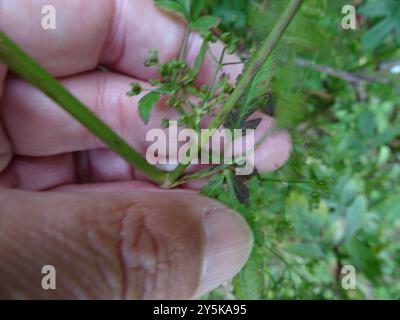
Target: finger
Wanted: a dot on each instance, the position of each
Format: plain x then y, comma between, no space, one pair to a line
116,33
107,187
42,173
105,94
93,167
39,173
118,245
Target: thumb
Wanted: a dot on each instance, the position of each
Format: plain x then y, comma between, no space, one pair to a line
136,245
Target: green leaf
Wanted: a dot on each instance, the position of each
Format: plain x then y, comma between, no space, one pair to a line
197,7
200,58
251,124
334,233
249,283
366,123
234,197
397,30
241,190
355,216
378,33
305,250
205,23
214,186
374,9
390,208
173,6
258,89
146,105
385,137
186,4
307,223
364,259
233,13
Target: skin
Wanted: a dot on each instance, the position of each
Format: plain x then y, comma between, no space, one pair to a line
67,201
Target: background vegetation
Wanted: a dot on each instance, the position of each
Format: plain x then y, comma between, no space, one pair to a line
337,201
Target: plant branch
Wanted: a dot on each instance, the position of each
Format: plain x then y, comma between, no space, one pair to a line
257,62
205,173
24,66
247,77
185,43
340,74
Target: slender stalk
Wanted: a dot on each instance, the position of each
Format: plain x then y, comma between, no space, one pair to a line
205,173
24,66
185,43
257,62
170,181
254,66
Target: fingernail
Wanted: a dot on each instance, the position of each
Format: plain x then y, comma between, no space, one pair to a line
229,241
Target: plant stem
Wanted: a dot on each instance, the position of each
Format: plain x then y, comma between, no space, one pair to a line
185,43
256,63
205,173
247,77
24,66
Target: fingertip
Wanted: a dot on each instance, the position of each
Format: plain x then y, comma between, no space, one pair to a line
229,242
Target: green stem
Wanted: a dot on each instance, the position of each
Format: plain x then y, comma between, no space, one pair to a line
185,43
205,173
254,66
24,66
257,62
171,177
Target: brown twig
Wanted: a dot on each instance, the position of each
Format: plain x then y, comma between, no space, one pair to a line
340,74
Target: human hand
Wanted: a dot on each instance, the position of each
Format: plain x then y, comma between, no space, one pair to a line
68,201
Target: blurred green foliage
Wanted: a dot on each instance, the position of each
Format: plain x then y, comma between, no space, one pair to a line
337,201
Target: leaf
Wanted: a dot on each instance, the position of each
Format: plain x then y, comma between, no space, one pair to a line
251,124
146,105
197,7
398,32
390,209
378,33
385,137
250,281
233,190
366,123
258,89
355,216
202,174
389,10
205,23
173,6
374,9
200,58
364,259
214,186
306,250
232,13
241,190
334,233
186,4
307,223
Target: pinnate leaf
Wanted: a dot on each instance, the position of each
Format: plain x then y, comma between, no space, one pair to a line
146,105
